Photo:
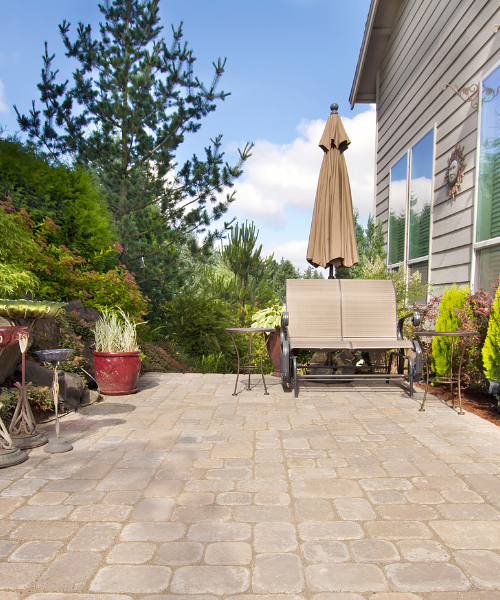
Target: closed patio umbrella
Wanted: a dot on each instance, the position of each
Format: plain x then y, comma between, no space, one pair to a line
332,241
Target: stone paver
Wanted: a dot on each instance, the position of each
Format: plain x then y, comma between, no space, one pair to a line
184,492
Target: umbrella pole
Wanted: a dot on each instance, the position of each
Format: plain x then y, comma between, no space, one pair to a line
332,274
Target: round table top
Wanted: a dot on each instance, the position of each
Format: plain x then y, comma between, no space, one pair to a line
458,333
250,329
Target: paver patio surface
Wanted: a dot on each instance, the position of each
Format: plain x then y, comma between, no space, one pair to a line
185,492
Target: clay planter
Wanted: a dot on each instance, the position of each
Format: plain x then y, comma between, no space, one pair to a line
274,349
116,373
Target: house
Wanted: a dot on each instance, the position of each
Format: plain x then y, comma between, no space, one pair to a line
432,68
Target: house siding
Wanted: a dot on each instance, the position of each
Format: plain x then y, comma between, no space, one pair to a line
433,42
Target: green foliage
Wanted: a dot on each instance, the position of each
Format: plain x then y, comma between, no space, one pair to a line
158,359
134,98
196,320
452,301
268,317
491,348
69,197
115,331
243,258
8,401
17,246
278,273
409,289
211,363
311,273
40,399
66,275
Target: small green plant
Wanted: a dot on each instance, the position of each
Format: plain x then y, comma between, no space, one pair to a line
210,363
268,317
8,401
40,399
491,348
452,302
116,332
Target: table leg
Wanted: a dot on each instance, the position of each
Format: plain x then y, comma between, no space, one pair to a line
238,369
461,412
424,352
266,393
451,373
249,359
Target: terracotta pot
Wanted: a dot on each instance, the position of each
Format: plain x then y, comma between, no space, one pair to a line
116,373
274,350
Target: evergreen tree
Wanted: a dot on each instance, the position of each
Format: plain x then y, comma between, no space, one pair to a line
132,102
243,258
278,273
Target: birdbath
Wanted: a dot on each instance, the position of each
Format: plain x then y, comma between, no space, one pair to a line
56,445
9,454
26,312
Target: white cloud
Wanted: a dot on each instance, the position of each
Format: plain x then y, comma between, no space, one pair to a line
3,107
278,176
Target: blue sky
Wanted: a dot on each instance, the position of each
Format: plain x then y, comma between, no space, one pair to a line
287,61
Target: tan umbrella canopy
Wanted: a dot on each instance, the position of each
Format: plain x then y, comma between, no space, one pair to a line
332,241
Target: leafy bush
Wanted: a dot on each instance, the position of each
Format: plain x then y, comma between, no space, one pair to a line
452,302
491,348
158,359
40,399
211,363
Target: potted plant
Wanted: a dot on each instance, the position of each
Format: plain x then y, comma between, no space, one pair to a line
271,317
117,358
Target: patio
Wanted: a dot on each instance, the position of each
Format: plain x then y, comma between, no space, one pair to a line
184,491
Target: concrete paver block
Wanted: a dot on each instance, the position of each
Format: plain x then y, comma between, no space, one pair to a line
147,579
345,578
210,580
426,577
70,572
277,573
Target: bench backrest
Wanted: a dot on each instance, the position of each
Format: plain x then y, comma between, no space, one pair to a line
314,308
368,309
343,309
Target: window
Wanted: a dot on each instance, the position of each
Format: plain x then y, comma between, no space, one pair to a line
410,199
487,238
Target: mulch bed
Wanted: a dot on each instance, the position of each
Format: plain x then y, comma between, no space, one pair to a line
474,401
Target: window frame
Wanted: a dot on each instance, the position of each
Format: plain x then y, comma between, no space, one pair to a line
407,263
495,241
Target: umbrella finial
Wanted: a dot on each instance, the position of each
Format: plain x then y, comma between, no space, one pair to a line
334,108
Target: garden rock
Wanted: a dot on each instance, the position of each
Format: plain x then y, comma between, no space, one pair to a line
88,314
90,396
74,389
38,375
45,335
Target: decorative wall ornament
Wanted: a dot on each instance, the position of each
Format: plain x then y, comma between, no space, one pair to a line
455,171
467,94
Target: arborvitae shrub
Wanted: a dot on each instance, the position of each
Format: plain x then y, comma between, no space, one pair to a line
450,307
491,348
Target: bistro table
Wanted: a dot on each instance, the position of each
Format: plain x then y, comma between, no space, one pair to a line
250,367
454,335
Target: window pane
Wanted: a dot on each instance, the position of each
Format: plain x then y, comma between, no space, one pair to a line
397,211
488,214
420,197
488,267
423,269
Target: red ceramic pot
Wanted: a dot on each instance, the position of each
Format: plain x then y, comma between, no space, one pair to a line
116,373
274,349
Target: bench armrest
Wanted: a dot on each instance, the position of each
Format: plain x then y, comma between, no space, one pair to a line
284,323
415,320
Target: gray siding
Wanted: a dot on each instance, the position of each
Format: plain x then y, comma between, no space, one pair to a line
433,42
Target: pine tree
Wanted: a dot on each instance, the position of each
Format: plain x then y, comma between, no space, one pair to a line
133,101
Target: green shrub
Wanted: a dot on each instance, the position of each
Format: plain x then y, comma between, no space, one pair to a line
491,348
450,306
8,401
158,359
211,363
40,399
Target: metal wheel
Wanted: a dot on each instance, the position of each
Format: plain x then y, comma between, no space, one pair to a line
285,362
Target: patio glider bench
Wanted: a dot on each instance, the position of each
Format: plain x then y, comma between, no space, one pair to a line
331,315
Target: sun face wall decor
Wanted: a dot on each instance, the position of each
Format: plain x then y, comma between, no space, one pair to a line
455,171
